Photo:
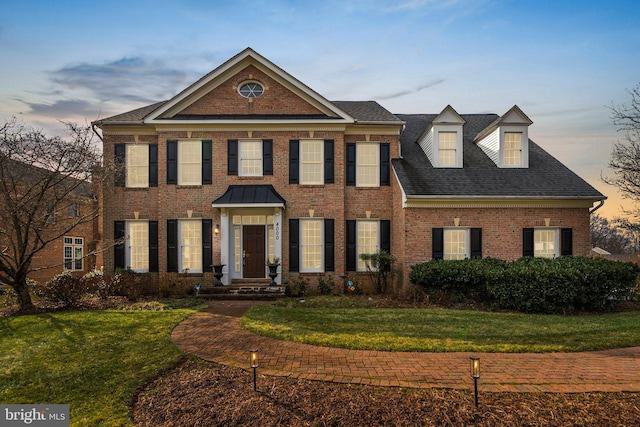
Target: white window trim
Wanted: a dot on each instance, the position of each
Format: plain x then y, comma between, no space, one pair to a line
128,165
358,222
302,245
524,146
377,168
304,142
240,159
180,164
127,247
556,241
181,268
454,149
73,245
467,240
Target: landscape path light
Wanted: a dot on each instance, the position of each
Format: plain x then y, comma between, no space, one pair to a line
475,374
253,358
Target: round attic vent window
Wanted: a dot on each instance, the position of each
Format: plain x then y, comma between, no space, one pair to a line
251,90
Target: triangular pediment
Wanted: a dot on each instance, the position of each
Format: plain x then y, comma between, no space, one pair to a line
218,97
449,116
515,116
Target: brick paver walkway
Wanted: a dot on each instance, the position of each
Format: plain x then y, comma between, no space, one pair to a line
216,336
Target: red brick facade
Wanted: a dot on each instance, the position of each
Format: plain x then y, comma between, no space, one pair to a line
217,113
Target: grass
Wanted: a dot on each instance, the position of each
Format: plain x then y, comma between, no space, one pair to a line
92,360
357,324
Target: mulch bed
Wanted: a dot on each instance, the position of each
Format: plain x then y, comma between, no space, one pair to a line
198,393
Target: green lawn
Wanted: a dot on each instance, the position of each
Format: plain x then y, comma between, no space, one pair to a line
92,360
353,323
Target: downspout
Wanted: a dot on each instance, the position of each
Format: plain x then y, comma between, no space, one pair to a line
591,211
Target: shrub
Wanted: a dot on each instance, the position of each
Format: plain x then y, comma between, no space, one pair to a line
127,283
64,289
325,285
297,286
531,285
379,268
459,279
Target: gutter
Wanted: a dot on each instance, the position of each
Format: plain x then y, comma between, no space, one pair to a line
591,211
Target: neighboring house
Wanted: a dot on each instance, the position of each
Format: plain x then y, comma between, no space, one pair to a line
75,251
249,163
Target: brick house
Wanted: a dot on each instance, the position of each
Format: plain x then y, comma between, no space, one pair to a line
248,163
75,251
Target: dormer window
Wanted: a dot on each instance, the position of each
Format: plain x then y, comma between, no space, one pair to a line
447,149
506,140
442,141
513,148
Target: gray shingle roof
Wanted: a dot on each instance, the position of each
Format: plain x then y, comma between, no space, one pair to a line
545,177
131,117
367,111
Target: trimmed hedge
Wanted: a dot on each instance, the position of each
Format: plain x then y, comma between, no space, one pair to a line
532,285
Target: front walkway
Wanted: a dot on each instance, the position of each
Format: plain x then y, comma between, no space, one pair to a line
216,335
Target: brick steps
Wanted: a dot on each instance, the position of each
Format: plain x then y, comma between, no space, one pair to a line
253,290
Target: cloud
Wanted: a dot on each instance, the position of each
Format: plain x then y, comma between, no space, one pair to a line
62,108
410,91
136,79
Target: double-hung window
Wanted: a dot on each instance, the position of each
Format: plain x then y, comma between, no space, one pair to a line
138,246
547,242
367,165
190,251
311,245
311,162
73,253
512,148
190,162
368,240
456,243
447,148
250,158
137,165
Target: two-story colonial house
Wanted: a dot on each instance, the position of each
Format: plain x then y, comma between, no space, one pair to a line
249,163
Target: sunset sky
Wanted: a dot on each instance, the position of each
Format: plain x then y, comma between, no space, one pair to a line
564,63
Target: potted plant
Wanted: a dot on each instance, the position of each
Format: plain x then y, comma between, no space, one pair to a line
273,263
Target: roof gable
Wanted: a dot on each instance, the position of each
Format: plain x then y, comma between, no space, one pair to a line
214,98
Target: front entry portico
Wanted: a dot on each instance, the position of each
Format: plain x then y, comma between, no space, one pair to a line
250,231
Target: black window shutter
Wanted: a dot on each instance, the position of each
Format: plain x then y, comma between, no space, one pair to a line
566,242
267,157
351,164
153,165
172,245
207,154
384,163
207,245
172,162
329,175
118,248
294,245
352,261
527,242
294,161
119,158
385,235
476,243
437,243
153,246
232,157
329,245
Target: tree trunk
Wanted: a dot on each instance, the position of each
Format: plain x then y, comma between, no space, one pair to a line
24,298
